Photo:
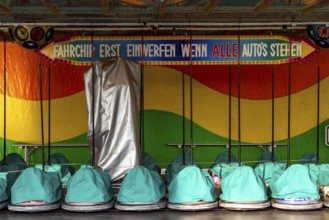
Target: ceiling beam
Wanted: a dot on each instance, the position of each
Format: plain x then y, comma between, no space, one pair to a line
314,5
262,5
105,7
52,7
5,9
161,6
135,2
72,2
210,5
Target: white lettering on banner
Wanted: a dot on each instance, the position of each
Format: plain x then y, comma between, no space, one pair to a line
282,49
161,50
174,51
198,50
254,50
107,50
134,50
67,50
296,49
151,50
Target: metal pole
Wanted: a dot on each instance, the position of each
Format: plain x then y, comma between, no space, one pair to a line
289,107
41,115
4,102
239,107
49,116
93,99
183,109
191,112
141,112
318,120
191,101
230,115
273,95
142,117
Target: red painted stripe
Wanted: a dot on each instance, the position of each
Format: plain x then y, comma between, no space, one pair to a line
23,75
256,80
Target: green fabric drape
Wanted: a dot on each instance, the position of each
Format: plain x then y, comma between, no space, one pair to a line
243,185
295,182
191,184
90,186
34,184
141,185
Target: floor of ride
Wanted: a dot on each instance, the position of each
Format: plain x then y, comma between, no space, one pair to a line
168,214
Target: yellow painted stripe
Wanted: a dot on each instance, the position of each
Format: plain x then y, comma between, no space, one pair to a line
69,118
163,91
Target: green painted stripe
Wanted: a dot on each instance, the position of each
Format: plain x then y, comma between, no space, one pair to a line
76,155
162,128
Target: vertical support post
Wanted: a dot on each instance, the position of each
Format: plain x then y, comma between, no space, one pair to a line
49,115
239,104
191,101
183,115
230,115
142,117
141,111
273,108
191,112
289,107
41,115
4,102
318,119
93,100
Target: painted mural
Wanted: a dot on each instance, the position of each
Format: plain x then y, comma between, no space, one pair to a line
163,105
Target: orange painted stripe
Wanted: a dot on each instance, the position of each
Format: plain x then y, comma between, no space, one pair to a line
256,80
163,92
23,75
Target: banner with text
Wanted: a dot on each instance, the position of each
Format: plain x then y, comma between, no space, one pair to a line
173,50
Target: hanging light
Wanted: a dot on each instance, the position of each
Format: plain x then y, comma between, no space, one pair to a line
31,37
319,34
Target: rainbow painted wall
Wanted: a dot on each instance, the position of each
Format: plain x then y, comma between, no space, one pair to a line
163,105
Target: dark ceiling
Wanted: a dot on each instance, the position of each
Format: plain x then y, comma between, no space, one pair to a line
157,16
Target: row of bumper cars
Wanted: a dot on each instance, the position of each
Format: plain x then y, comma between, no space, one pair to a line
36,191
150,163
14,159
191,189
242,189
293,189
59,164
265,157
319,174
176,166
222,167
221,170
66,169
9,172
324,184
223,157
3,192
308,157
89,190
265,170
142,190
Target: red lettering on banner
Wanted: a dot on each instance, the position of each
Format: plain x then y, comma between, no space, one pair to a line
215,51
